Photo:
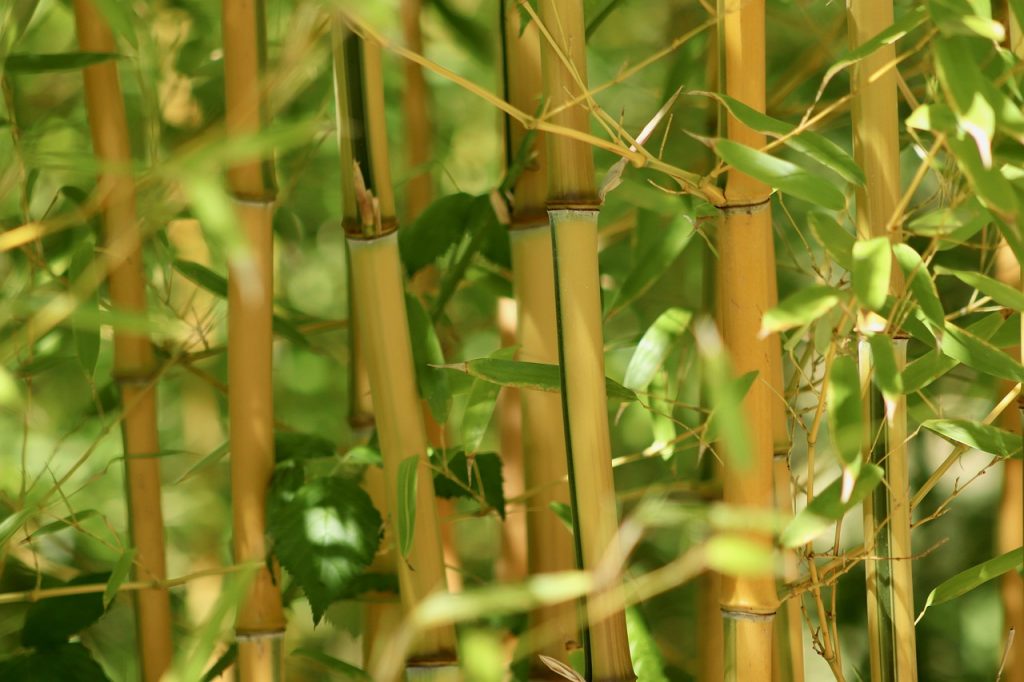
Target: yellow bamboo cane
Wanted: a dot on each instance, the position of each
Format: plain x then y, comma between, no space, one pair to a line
260,621
543,436
573,212
383,329
886,512
744,247
134,362
418,190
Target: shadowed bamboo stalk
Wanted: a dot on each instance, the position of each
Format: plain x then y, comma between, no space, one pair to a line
573,211
550,546
744,247
383,329
1010,532
134,362
512,565
886,511
260,620
418,190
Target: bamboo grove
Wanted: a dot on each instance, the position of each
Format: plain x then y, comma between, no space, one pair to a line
511,340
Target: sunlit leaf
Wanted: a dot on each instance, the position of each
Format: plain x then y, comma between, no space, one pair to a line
654,347
783,175
122,569
886,374
838,242
1002,294
872,267
979,354
844,409
827,507
652,263
21,63
801,308
984,437
973,577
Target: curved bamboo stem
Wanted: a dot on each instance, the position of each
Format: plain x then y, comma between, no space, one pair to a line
572,209
744,246
260,621
134,362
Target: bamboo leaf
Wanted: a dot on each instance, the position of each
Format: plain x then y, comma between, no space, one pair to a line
957,17
440,227
481,473
427,354
52,621
886,373
725,395
122,569
1002,294
973,577
480,407
209,460
984,437
738,555
536,376
325,533
654,261
837,241
21,63
408,479
844,410
979,354
68,521
992,188
872,268
65,662
814,145
655,345
933,364
828,507
922,288
643,649
347,671
800,309
87,341
782,175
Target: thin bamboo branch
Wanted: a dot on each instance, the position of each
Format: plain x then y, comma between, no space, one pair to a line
134,362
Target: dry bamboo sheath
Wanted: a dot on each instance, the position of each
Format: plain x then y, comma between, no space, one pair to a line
260,621
550,546
383,331
573,211
744,247
887,510
134,362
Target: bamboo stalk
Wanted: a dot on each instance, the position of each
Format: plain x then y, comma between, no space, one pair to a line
887,511
573,211
1010,530
512,565
418,189
550,546
134,362
378,295
744,247
260,621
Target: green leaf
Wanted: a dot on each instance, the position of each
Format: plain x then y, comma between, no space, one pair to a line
957,17
962,80
837,241
426,354
738,555
465,30
654,261
922,288
814,145
799,309
52,621
979,354
655,345
643,649
483,397
202,276
844,413
325,533
886,374
933,364
347,671
967,580
440,227
1002,294
783,175
289,445
984,437
993,189
725,394
122,569
480,473
206,462
87,341
872,267
827,507
66,522
61,663
408,479
20,63
530,375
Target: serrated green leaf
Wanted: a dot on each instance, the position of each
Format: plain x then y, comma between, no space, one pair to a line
1002,294
122,569
827,507
426,354
973,577
52,621
783,175
408,480
21,63
872,268
654,261
654,347
325,534
837,241
347,671
844,410
801,308
61,663
984,437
